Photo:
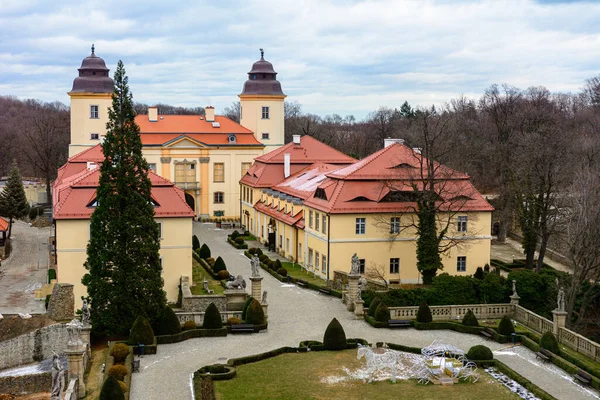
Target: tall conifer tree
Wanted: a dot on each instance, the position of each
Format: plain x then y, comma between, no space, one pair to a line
124,269
13,202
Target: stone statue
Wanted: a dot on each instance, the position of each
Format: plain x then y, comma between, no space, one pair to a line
561,299
362,284
58,380
359,293
85,313
73,329
514,287
255,265
238,283
355,270
264,297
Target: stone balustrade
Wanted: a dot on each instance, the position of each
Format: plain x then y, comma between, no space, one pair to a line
452,312
579,343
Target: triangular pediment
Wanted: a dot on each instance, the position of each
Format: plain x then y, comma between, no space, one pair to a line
183,142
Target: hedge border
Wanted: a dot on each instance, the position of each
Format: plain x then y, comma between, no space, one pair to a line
237,246
257,328
515,376
230,374
190,334
110,361
148,348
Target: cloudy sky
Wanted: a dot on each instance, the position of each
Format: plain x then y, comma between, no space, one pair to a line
332,56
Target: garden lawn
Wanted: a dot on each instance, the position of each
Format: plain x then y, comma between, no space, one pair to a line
296,271
198,276
303,376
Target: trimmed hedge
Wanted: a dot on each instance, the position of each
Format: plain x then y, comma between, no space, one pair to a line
219,265
382,314
118,371
168,323
480,352
261,356
141,332
400,347
207,268
549,342
470,319
190,334
119,352
246,305
254,313
212,317
236,245
216,372
447,325
374,323
373,306
424,313
506,326
313,345
334,337
204,251
111,390
195,243
51,274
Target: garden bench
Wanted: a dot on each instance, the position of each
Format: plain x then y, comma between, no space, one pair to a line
301,283
226,225
487,333
398,323
135,365
544,354
324,291
242,328
583,377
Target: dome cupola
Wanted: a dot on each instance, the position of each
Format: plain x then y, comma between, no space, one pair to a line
262,79
93,76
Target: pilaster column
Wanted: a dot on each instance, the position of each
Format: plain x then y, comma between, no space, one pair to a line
256,287
76,367
352,291
359,309
560,319
514,299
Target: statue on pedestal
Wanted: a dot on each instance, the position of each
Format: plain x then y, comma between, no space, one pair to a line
264,297
255,265
561,300
514,287
58,380
85,313
355,269
73,329
238,283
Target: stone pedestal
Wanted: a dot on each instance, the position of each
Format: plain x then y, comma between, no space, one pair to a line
265,308
352,291
236,299
359,308
84,335
256,289
514,299
76,367
560,319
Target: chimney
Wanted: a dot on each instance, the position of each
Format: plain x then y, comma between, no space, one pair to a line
286,165
153,114
209,113
296,139
390,141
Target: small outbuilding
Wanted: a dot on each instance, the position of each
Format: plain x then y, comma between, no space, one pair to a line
3,230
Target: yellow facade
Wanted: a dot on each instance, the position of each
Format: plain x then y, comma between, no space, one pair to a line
270,130
85,123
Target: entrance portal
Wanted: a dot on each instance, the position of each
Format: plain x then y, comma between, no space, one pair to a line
189,199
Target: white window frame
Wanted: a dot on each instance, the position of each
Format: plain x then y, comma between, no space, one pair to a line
310,219
317,263
152,168
94,111
361,226
324,227
461,264
160,230
317,221
395,225
219,194
462,223
265,112
310,257
324,263
94,136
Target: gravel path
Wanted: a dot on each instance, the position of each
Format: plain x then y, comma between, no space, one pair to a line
25,270
298,314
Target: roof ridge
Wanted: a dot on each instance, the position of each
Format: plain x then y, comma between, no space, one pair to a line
370,159
72,158
331,147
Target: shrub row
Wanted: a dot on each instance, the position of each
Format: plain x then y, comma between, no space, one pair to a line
374,323
400,347
207,267
117,367
216,372
189,334
235,243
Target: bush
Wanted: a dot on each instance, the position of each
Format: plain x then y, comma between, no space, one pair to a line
189,325
124,387
204,251
271,265
470,319
549,343
47,301
255,314
479,353
120,351
223,275
119,372
239,240
256,251
335,337
382,314
282,271
264,258
34,212
373,306
233,321
219,265
210,261
424,313
141,332
168,323
276,265
195,243
246,305
506,326
479,274
51,274
111,390
212,318
234,235
217,369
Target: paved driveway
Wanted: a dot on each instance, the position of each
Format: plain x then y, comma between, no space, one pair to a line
25,270
298,314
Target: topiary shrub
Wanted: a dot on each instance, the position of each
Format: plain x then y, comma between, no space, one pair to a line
120,351
111,390
219,265
210,261
204,251
212,317
334,337
549,343
271,264
168,323
188,325
255,314
246,305
480,352
239,240
233,321
282,271
124,387
256,251
506,326
195,243
470,319
373,306
382,314
424,313
264,258
141,332
479,274
223,275
276,265
234,235
119,372
217,369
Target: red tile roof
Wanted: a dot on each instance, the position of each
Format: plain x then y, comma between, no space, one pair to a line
287,218
304,183
208,139
3,224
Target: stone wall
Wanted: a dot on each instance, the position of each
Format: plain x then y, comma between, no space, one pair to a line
33,346
62,303
198,317
193,303
26,384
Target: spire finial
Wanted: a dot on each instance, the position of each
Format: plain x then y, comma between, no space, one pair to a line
262,53
93,48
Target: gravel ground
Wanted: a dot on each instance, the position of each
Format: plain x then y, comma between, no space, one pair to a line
298,314
25,270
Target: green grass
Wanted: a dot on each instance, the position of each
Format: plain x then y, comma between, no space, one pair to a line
198,276
299,376
296,271
248,237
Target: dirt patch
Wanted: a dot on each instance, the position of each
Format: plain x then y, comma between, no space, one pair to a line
13,325
36,396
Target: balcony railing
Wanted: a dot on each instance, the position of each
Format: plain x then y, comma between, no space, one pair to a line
188,185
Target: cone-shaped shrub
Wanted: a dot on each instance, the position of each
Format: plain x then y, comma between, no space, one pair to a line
479,353
168,323
204,251
424,313
335,337
212,318
479,274
382,314
506,326
549,343
255,314
111,390
141,332
219,265
470,319
195,243
246,305
276,265
373,306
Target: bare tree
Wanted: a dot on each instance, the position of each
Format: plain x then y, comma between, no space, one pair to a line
377,273
234,111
